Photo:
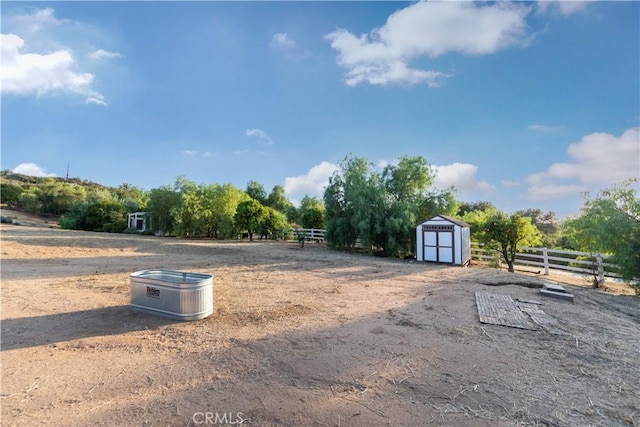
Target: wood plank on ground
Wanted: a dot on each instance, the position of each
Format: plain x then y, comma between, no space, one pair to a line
500,309
547,322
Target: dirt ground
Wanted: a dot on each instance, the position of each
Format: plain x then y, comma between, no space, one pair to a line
304,337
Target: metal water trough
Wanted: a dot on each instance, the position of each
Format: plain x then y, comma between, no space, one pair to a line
174,294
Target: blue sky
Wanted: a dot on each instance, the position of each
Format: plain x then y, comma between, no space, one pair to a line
524,104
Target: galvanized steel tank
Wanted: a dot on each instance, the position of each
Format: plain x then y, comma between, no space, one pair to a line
174,294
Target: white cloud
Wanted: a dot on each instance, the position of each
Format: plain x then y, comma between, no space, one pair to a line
460,175
194,153
99,54
426,29
287,46
263,137
561,7
282,41
31,169
312,183
546,191
544,128
40,73
35,62
598,160
37,20
510,183
95,98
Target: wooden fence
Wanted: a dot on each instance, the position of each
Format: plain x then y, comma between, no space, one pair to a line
558,259
308,233
548,259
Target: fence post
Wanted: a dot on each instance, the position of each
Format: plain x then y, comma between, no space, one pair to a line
545,254
600,269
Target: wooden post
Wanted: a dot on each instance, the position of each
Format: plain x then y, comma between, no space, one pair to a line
545,255
600,269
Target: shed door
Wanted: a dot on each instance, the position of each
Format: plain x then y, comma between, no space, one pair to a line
438,244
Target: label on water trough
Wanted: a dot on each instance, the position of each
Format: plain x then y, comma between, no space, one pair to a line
153,292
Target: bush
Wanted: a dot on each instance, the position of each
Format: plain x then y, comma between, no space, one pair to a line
6,220
10,193
68,222
117,226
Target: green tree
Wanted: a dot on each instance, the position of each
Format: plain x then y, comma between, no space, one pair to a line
105,215
249,216
133,198
477,220
101,210
277,199
51,197
466,207
610,223
505,233
438,202
255,190
190,215
547,222
355,205
293,214
381,210
273,223
162,200
10,193
311,212
224,205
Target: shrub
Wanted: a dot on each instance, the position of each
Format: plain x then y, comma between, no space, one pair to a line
117,226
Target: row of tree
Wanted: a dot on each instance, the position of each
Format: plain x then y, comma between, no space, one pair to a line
373,209
183,209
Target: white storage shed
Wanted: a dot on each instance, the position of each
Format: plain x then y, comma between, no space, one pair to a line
443,239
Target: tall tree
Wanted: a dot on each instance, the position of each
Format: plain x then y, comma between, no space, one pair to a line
193,216
277,200
134,199
547,222
255,190
273,223
311,212
381,209
466,207
505,233
610,222
226,199
249,216
355,198
161,202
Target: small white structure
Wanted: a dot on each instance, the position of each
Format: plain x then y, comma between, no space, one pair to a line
443,239
140,221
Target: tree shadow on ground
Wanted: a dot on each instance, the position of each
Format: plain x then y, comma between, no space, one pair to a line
50,329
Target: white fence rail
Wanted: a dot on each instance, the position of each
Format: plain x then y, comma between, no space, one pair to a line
309,234
573,261
549,259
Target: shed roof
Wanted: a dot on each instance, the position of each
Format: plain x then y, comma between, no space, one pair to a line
451,219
